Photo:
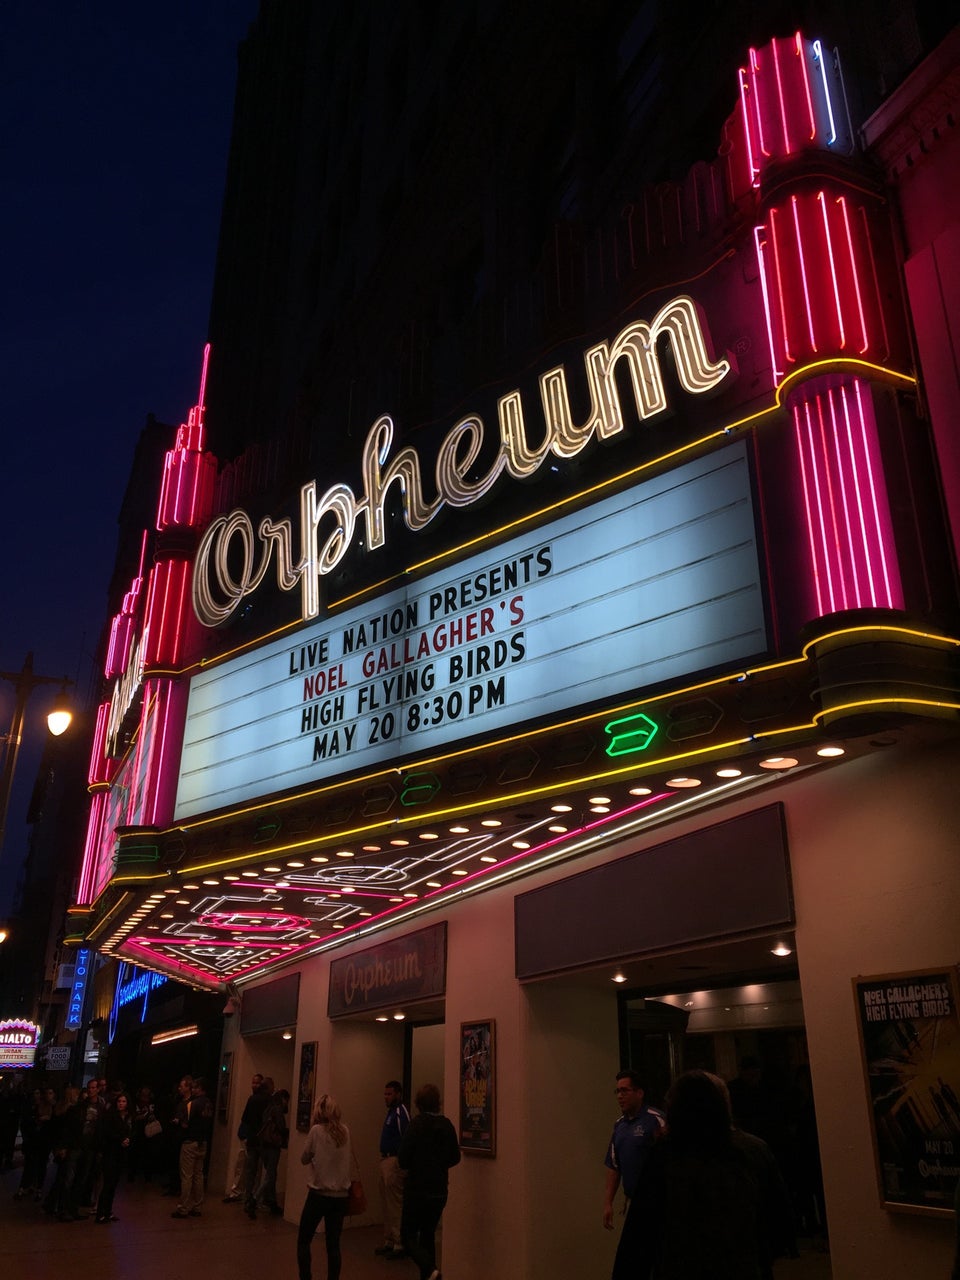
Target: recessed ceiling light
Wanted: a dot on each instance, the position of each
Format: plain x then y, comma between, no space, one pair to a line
728,772
211,882
491,822
487,857
287,1035
399,1017
366,913
395,899
459,831
619,977
640,791
599,800
171,891
411,895
682,782
230,879
459,871
273,868
182,902
282,884
429,835
779,762
781,949
295,864
434,884
599,808
828,752
521,844
371,848
252,874
191,886
382,1017
558,828
561,808
344,853
319,858
400,844
348,888
164,915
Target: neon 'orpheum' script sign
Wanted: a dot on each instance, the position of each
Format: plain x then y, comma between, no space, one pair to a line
219,584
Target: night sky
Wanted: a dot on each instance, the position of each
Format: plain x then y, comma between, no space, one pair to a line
116,125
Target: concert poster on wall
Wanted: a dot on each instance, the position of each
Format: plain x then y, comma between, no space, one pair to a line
306,1085
910,1039
478,1131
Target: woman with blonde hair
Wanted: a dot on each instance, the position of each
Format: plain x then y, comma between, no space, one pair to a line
329,1153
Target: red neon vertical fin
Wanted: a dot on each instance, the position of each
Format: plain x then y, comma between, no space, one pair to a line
811,539
801,258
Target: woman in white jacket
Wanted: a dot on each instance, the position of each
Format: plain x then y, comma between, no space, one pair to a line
329,1154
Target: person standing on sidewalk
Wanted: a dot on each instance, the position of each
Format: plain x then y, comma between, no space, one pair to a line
193,1152
391,1175
114,1137
274,1137
329,1153
251,1122
428,1150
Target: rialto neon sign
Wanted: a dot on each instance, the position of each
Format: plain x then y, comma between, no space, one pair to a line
234,558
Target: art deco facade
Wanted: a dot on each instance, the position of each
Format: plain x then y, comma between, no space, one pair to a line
551,618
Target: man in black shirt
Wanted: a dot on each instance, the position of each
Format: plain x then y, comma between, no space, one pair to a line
429,1149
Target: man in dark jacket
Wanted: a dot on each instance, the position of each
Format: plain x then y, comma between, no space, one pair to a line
251,1122
428,1149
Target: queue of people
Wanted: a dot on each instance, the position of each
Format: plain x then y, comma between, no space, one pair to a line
86,1134
80,1144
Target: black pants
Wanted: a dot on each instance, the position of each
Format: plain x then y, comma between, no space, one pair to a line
418,1229
330,1210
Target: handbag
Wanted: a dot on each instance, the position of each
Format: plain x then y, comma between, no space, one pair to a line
356,1196
152,1128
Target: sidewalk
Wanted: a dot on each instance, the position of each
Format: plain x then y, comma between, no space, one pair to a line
222,1244
146,1244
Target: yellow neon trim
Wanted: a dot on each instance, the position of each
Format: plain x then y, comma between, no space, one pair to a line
404,821
101,926
866,629
891,702
394,773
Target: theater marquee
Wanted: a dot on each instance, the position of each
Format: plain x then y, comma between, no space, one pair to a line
641,588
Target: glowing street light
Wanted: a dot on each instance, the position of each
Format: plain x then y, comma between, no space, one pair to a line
25,681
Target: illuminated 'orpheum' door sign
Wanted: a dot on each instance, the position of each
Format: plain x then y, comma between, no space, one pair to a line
413,967
18,1043
637,589
218,589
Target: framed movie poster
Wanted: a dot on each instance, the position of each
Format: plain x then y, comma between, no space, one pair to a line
478,1127
910,1039
306,1085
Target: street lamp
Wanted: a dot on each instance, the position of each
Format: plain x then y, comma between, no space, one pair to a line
25,681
